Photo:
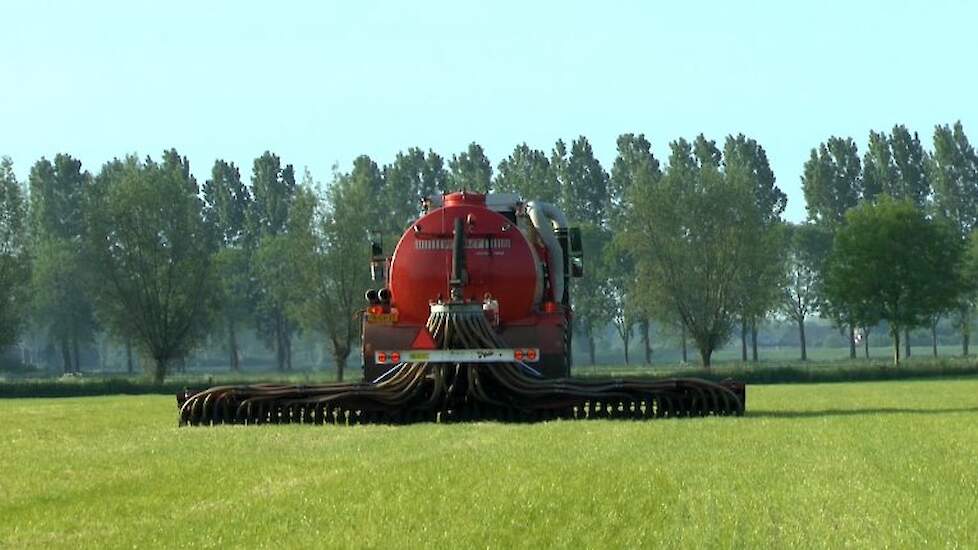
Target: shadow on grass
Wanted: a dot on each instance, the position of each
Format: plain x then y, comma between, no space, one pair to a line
856,412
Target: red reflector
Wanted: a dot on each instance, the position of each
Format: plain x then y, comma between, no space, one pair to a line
550,307
531,354
518,355
381,357
424,340
395,357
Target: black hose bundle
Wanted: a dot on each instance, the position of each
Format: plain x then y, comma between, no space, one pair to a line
450,392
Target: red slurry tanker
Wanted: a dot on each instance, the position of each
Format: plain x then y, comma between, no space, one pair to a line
472,321
519,260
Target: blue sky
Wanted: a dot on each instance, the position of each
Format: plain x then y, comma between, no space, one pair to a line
321,82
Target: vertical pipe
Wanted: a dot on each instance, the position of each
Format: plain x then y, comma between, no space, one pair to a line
457,281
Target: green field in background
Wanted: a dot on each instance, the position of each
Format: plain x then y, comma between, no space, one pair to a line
863,464
767,372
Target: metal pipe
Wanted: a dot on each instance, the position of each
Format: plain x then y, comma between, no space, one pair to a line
546,218
459,275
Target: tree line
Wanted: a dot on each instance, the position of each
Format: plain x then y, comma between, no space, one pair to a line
142,252
888,238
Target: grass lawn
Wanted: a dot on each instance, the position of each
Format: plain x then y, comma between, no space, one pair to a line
862,464
765,372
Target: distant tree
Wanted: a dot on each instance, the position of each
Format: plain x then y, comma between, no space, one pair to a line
558,165
909,158
745,154
151,251
404,185
831,181
527,173
969,295
333,262
688,235
273,189
762,269
584,191
953,172
879,172
62,303
910,182
369,178
275,276
584,198
920,257
14,255
706,153
226,204
808,249
832,184
411,177
619,294
471,170
434,178
634,165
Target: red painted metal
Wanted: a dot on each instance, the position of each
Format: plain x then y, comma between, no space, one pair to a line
423,340
499,261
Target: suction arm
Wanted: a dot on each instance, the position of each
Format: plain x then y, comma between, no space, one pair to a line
545,217
459,275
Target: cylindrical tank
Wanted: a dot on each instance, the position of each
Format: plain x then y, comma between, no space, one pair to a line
499,261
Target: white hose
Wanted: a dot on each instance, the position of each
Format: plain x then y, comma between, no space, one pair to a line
546,218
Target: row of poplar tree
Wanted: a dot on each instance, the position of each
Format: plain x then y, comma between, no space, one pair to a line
889,240
143,252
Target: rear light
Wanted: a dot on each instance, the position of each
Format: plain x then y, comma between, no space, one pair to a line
395,357
381,357
526,354
375,309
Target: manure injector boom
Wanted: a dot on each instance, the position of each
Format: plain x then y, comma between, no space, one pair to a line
473,322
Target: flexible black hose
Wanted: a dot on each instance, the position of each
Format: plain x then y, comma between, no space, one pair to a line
452,392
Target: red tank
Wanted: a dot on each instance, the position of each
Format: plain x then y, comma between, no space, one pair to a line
500,261
508,266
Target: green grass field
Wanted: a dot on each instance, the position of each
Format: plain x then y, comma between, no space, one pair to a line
765,372
862,464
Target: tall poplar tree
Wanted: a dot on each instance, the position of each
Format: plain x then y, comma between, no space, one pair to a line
273,189
333,259
634,165
953,172
226,203
471,170
584,200
763,265
62,303
14,256
832,184
910,173
404,186
910,183
879,172
808,246
527,172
